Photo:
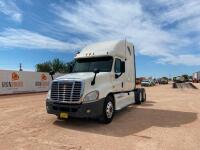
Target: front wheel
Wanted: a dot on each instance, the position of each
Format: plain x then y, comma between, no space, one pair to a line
108,110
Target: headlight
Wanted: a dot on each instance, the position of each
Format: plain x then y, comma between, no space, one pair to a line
92,96
49,94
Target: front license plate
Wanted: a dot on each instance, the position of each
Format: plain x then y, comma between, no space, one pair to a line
63,115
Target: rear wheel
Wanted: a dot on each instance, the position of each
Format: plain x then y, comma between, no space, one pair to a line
138,97
108,110
143,95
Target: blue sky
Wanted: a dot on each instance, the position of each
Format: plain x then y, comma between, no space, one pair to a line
166,33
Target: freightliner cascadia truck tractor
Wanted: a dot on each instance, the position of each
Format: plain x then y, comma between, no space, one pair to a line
102,81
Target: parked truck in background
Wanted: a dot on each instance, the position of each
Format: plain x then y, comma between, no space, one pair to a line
148,83
163,80
196,77
103,80
179,79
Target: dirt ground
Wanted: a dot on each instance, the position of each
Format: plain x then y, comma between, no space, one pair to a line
168,120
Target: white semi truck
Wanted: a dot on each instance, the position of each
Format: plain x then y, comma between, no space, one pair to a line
102,81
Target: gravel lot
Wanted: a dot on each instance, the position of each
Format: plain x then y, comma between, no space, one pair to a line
168,120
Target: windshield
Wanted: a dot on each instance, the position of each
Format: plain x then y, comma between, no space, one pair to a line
104,64
145,81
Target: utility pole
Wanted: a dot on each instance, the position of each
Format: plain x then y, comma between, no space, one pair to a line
20,67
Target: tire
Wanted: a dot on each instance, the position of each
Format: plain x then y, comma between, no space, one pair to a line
143,95
138,97
108,110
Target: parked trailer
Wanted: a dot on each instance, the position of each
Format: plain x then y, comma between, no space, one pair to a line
196,77
103,80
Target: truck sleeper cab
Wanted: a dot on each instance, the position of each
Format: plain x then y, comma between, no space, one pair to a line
102,81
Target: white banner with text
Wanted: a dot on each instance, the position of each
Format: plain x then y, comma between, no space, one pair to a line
12,82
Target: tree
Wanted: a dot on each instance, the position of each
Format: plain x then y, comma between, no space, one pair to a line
186,77
58,66
174,78
55,65
70,65
44,67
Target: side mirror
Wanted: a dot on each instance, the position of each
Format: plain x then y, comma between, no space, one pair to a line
52,73
122,67
122,70
117,76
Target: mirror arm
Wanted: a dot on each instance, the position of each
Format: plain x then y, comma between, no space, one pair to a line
93,81
96,70
52,77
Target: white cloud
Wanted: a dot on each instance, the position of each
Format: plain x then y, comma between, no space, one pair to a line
10,9
114,19
109,20
180,10
191,60
165,32
20,38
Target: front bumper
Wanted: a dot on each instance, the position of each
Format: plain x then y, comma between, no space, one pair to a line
84,110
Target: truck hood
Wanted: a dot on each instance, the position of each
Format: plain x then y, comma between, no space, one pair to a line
101,82
79,76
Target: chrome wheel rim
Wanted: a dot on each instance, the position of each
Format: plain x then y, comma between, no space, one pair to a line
109,110
140,96
144,96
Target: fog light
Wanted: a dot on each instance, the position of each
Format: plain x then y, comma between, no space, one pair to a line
88,111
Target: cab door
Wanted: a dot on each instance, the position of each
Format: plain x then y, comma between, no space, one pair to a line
118,75
121,99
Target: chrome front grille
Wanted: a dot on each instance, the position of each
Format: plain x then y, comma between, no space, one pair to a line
66,91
